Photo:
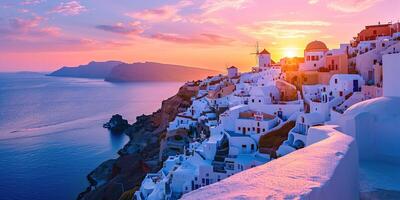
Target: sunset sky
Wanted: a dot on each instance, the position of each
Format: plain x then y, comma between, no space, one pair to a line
42,35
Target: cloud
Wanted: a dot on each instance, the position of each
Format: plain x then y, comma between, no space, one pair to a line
22,10
133,28
211,6
283,29
313,1
209,39
64,44
351,6
164,13
32,34
25,24
298,23
157,15
31,2
69,8
27,29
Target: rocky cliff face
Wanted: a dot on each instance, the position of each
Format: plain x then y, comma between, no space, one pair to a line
140,155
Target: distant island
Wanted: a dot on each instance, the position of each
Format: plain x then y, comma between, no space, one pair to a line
91,70
116,71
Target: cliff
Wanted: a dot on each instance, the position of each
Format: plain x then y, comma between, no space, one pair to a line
140,155
91,70
115,71
151,71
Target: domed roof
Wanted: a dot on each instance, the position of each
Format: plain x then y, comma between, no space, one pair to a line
316,46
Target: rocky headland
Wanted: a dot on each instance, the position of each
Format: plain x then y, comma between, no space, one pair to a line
117,124
118,178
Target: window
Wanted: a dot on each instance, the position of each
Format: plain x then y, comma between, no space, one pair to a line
252,100
248,129
254,128
315,65
259,101
335,80
263,129
244,146
258,123
239,128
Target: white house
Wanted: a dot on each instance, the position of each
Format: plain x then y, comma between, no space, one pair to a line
391,71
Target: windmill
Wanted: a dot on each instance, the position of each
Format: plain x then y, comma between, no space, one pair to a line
256,53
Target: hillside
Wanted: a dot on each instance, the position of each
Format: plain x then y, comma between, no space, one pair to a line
151,71
91,70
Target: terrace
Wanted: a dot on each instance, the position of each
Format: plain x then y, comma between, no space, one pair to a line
251,115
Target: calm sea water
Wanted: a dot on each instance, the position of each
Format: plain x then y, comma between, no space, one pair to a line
51,133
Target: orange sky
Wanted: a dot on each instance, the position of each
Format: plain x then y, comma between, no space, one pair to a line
39,35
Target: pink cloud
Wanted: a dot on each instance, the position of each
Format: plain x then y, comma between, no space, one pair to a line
313,1
31,2
28,29
157,15
211,6
22,10
350,6
69,8
283,29
59,44
133,28
164,13
25,24
209,39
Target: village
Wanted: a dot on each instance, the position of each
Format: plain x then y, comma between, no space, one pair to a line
241,120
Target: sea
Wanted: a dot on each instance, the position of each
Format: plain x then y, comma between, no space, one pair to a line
51,133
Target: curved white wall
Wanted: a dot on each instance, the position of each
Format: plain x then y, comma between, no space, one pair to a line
325,170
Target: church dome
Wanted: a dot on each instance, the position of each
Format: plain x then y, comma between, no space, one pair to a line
316,46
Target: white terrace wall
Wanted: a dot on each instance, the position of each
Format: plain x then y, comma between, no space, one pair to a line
325,170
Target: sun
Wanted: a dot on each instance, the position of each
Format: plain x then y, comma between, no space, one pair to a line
289,52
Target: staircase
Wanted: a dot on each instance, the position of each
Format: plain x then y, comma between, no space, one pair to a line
222,152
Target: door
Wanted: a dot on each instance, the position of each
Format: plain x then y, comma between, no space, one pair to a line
355,86
280,114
